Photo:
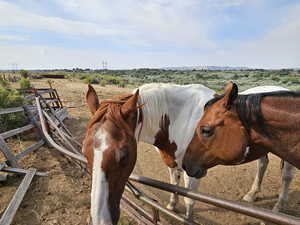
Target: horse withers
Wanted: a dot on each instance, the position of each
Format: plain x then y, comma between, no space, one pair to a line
110,148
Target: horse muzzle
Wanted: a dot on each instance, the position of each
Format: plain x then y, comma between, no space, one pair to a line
194,169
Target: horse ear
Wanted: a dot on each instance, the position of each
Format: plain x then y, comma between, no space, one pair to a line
231,93
92,99
131,103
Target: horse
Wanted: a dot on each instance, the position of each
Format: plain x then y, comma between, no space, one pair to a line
236,129
167,109
111,149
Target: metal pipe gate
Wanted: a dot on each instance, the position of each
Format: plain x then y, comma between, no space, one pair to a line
263,214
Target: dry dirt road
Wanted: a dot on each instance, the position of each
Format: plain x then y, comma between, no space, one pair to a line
62,198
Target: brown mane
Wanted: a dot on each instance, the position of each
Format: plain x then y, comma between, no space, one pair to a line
112,109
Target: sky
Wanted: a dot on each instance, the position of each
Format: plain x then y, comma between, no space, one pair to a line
48,34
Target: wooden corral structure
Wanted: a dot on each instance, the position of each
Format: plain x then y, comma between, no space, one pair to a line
51,102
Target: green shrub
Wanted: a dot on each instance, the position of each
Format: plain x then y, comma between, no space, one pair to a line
3,83
275,78
82,76
111,79
91,80
294,80
25,83
235,76
284,72
198,76
122,84
11,98
103,83
24,73
70,77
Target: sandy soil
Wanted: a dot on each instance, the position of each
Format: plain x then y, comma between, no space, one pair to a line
63,196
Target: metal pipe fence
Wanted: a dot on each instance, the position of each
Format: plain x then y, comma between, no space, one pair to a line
263,214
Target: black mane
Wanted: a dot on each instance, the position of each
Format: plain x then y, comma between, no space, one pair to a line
249,107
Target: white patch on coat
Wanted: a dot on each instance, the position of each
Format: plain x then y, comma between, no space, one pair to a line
100,189
183,104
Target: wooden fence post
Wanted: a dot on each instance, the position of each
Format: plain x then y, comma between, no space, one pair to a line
7,153
13,206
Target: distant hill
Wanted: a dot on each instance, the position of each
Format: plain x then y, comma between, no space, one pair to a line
206,68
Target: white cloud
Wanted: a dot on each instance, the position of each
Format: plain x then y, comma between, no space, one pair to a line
277,48
11,15
148,22
226,3
152,23
4,37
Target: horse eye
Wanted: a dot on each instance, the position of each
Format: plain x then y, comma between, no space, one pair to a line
207,131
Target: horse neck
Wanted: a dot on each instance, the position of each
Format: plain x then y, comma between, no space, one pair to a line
282,122
151,113
184,110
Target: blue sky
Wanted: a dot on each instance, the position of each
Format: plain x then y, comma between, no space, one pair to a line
39,34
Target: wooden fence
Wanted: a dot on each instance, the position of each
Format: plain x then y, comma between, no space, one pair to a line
51,103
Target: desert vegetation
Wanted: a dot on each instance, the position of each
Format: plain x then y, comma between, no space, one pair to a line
214,79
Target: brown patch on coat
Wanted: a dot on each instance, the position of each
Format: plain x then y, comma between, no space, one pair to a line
167,149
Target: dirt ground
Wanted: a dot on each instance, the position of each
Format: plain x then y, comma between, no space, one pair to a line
63,197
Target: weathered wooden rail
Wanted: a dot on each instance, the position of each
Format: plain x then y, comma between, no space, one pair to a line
13,206
31,114
11,165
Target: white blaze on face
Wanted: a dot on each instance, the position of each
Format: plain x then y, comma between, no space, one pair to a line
100,189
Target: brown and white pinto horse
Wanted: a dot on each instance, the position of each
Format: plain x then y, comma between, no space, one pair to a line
110,147
237,129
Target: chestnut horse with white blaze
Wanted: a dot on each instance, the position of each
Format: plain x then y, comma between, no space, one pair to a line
110,148
155,114
236,129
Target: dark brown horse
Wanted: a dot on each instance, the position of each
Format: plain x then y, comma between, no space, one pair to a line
110,147
240,128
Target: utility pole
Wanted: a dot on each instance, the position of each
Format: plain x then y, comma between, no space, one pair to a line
104,65
14,67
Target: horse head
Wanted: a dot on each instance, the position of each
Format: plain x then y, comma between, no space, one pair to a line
220,136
